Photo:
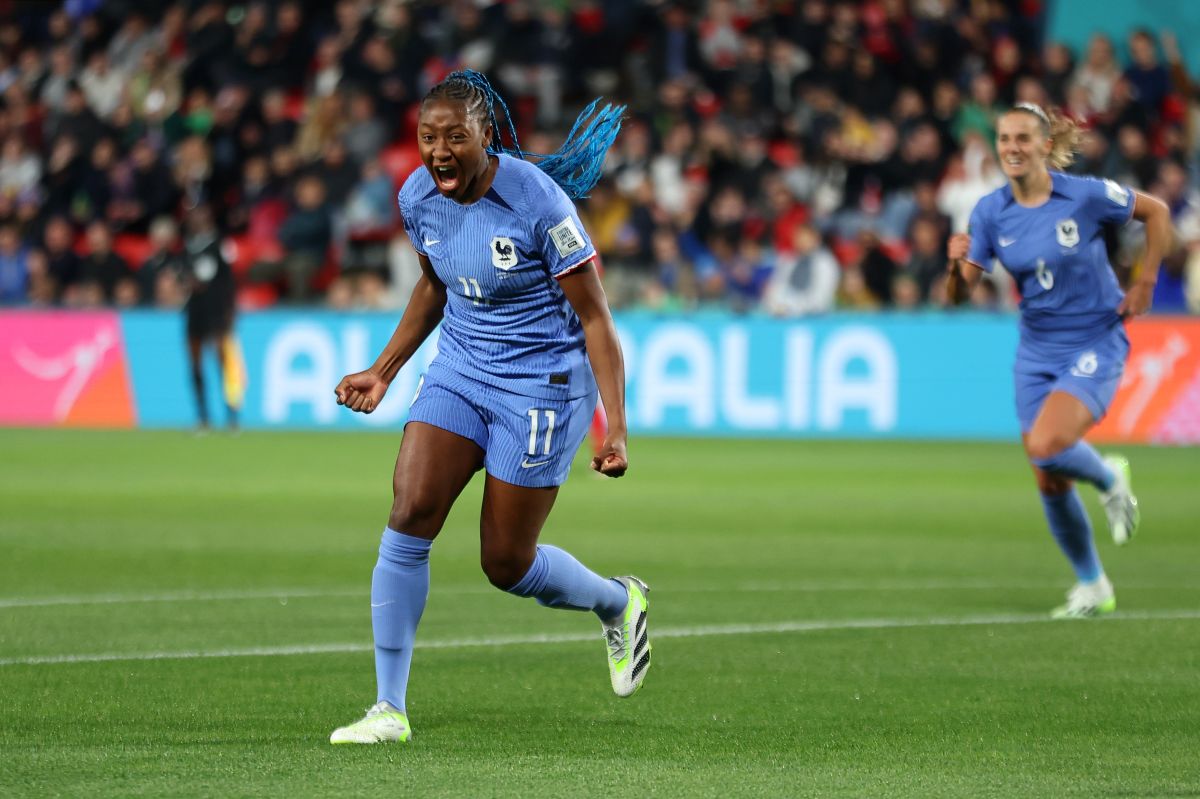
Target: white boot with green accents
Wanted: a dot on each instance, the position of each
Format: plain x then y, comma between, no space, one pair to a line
1088,600
628,640
1120,505
382,724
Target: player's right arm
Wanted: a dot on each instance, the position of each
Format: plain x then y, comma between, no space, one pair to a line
970,254
963,274
363,391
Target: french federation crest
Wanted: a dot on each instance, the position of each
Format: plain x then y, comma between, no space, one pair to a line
504,254
1067,232
1086,365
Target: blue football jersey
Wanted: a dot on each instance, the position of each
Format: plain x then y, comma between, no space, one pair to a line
1057,256
507,322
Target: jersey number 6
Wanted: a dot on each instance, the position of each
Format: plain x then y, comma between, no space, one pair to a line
1044,275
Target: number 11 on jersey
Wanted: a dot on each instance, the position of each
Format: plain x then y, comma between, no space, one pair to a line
472,283
534,413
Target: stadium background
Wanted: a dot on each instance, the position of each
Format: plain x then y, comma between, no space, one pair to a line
851,587
786,179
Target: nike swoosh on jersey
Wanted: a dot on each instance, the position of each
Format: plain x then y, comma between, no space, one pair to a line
431,242
1003,242
525,464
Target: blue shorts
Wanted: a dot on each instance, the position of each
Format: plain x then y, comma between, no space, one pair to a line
1091,373
527,441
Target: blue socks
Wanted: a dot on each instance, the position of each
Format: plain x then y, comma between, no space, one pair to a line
557,580
1079,462
399,588
1073,531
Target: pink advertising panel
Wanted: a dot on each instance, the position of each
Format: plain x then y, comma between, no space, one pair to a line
64,370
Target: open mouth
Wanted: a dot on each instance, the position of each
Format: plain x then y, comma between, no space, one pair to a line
446,178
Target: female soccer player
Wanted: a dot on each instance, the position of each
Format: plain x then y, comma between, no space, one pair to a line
1045,227
526,338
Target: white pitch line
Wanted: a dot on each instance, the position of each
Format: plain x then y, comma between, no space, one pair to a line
803,626
283,594
176,596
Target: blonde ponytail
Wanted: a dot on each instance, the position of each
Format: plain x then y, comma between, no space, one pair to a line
1066,136
1059,128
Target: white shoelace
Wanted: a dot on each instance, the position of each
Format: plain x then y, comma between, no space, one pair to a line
616,641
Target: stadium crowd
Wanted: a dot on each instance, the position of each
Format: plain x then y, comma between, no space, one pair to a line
786,157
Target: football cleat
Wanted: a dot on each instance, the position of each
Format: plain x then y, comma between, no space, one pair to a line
628,640
1088,600
1120,505
382,724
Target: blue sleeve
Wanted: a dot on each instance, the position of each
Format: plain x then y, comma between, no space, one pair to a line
410,224
1107,201
563,241
982,251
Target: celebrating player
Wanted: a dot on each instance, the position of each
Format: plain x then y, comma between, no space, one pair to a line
526,338
1045,227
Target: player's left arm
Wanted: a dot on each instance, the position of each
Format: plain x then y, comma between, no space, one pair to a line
1154,213
583,290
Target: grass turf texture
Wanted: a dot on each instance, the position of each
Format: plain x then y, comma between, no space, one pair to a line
267,540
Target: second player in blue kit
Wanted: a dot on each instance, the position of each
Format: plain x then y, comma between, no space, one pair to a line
1046,228
526,340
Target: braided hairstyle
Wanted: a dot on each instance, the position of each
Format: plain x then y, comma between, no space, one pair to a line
575,166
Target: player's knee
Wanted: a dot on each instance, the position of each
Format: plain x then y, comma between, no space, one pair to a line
505,569
1042,447
415,515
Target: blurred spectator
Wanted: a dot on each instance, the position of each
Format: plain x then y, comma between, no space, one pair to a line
1098,73
337,173
1149,78
805,280
906,293
370,222
41,286
367,133
324,124
20,170
927,259
746,274
155,90
672,283
75,119
63,265
164,278
1058,67
305,235
129,45
14,266
104,277
95,188
53,92
102,85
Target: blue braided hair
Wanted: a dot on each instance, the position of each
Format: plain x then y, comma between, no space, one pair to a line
575,166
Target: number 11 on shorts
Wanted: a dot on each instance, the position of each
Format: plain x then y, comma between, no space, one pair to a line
534,413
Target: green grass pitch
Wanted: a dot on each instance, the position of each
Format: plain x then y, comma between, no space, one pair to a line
829,619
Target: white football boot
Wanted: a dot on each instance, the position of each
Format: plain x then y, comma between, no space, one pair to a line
1120,505
628,640
382,724
1086,601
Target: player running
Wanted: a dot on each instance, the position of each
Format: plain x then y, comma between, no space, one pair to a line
526,338
1045,227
